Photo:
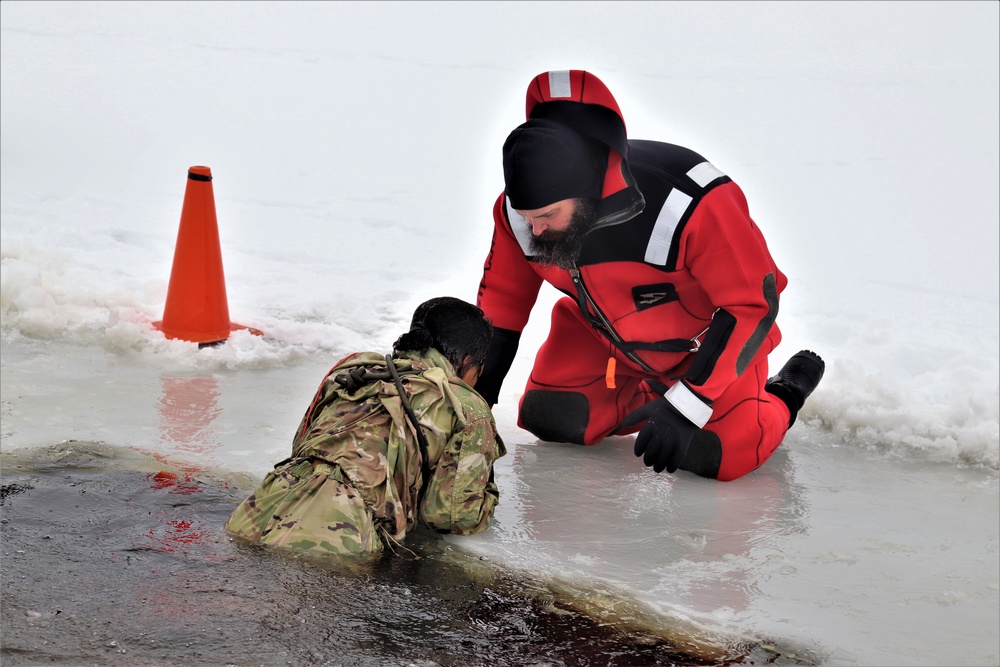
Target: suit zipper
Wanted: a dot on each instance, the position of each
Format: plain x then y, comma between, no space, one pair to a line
612,335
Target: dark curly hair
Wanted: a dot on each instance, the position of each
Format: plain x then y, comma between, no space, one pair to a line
455,328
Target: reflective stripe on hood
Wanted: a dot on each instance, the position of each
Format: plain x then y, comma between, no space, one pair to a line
581,101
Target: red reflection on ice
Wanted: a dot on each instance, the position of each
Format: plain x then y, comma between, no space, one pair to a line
174,483
177,534
187,411
188,407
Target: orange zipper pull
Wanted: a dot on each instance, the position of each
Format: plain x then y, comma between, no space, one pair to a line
609,375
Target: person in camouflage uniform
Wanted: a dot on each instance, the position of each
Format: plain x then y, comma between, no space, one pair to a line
361,474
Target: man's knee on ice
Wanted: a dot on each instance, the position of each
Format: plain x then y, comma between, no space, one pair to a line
556,416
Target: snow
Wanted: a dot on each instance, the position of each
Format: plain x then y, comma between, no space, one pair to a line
355,149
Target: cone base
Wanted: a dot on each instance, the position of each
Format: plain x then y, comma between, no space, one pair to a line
204,338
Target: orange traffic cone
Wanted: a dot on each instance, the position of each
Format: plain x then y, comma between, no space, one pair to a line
197,309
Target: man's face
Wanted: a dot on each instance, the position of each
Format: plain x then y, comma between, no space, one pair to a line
558,230
552,220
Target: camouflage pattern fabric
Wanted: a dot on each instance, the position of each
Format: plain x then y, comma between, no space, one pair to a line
354,478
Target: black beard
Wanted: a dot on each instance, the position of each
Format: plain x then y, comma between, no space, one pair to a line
562,249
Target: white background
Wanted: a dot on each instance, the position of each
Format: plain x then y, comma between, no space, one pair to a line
356,155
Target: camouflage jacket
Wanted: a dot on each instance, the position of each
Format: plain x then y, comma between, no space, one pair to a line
366,436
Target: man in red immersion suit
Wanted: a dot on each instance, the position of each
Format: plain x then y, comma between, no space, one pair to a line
671,293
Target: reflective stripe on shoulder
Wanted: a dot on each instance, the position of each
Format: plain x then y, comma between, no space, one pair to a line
704,173
673,210
519,225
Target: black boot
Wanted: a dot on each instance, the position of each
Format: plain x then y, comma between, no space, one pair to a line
796,380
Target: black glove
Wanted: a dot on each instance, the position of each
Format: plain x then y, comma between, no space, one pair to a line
499,357
664,441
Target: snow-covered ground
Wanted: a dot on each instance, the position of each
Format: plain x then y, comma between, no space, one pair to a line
356,155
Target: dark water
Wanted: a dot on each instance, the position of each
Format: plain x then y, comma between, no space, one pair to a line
109,558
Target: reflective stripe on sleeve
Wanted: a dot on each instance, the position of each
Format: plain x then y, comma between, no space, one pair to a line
688,404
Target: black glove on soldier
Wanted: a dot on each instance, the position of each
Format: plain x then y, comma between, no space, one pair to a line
664,441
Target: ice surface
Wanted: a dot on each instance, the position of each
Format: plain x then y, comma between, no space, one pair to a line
355,150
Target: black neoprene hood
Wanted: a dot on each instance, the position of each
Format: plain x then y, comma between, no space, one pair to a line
545,161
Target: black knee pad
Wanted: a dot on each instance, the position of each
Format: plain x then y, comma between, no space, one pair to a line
704,456
557,416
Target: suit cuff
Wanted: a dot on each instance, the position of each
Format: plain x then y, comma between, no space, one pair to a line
689,404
